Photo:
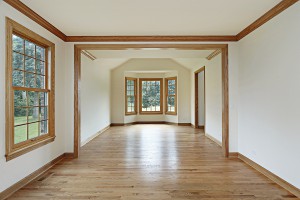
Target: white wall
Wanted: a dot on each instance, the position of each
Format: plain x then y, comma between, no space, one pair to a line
18,168
213,98
95,97
118,98
269,102
201,99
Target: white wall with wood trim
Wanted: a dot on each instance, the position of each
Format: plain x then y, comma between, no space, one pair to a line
269,96
95,97
118,99
18,168
213,98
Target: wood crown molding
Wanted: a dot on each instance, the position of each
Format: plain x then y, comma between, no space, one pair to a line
284,4
88,54
18,5
158,38
289,187
214,54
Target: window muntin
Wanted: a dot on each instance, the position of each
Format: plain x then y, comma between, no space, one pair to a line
151,96
29,97
171,95
130,96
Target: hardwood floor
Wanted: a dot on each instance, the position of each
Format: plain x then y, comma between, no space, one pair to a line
152,162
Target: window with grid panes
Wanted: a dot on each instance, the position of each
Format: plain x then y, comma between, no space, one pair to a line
130,96
150,95
29,90
171,95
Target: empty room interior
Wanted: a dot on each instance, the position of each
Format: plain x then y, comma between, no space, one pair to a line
136,99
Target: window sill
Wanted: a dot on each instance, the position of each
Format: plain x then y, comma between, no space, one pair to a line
171,113
22,150
128,114
151,113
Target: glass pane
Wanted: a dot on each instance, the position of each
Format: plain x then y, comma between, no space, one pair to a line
33,114
43,99
151,96
171,100
44,113
18,61
33,98
44,127
29,64
33,130
18,44
18,78
20,116
40,67
29,80
20,98
40,53
20,134
171,90
29,48
40,81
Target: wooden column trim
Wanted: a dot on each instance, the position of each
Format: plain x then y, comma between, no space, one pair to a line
77,67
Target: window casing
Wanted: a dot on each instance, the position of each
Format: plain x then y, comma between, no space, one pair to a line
171,96
130,96
150,95
29,90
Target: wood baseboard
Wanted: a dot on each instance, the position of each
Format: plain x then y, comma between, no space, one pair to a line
289,187
233,155
94,136
31,177
213,139
184,124
150,122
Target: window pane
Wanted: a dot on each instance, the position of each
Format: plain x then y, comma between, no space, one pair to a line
151,96
20,98
40,53
18,61
40,67
33,114
33,98
44,127
43,99
20,134
44,113
29,80
29,48
29,64
171,101
18,78
18,44
33,130
171,90
20,115
40,81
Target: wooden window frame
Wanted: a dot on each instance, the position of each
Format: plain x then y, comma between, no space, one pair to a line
135,96
140,96
14,150
167,94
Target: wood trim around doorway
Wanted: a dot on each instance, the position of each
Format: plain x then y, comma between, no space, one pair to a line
77,78
202,69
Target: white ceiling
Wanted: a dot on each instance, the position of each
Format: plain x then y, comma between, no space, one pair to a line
151,17
169,53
